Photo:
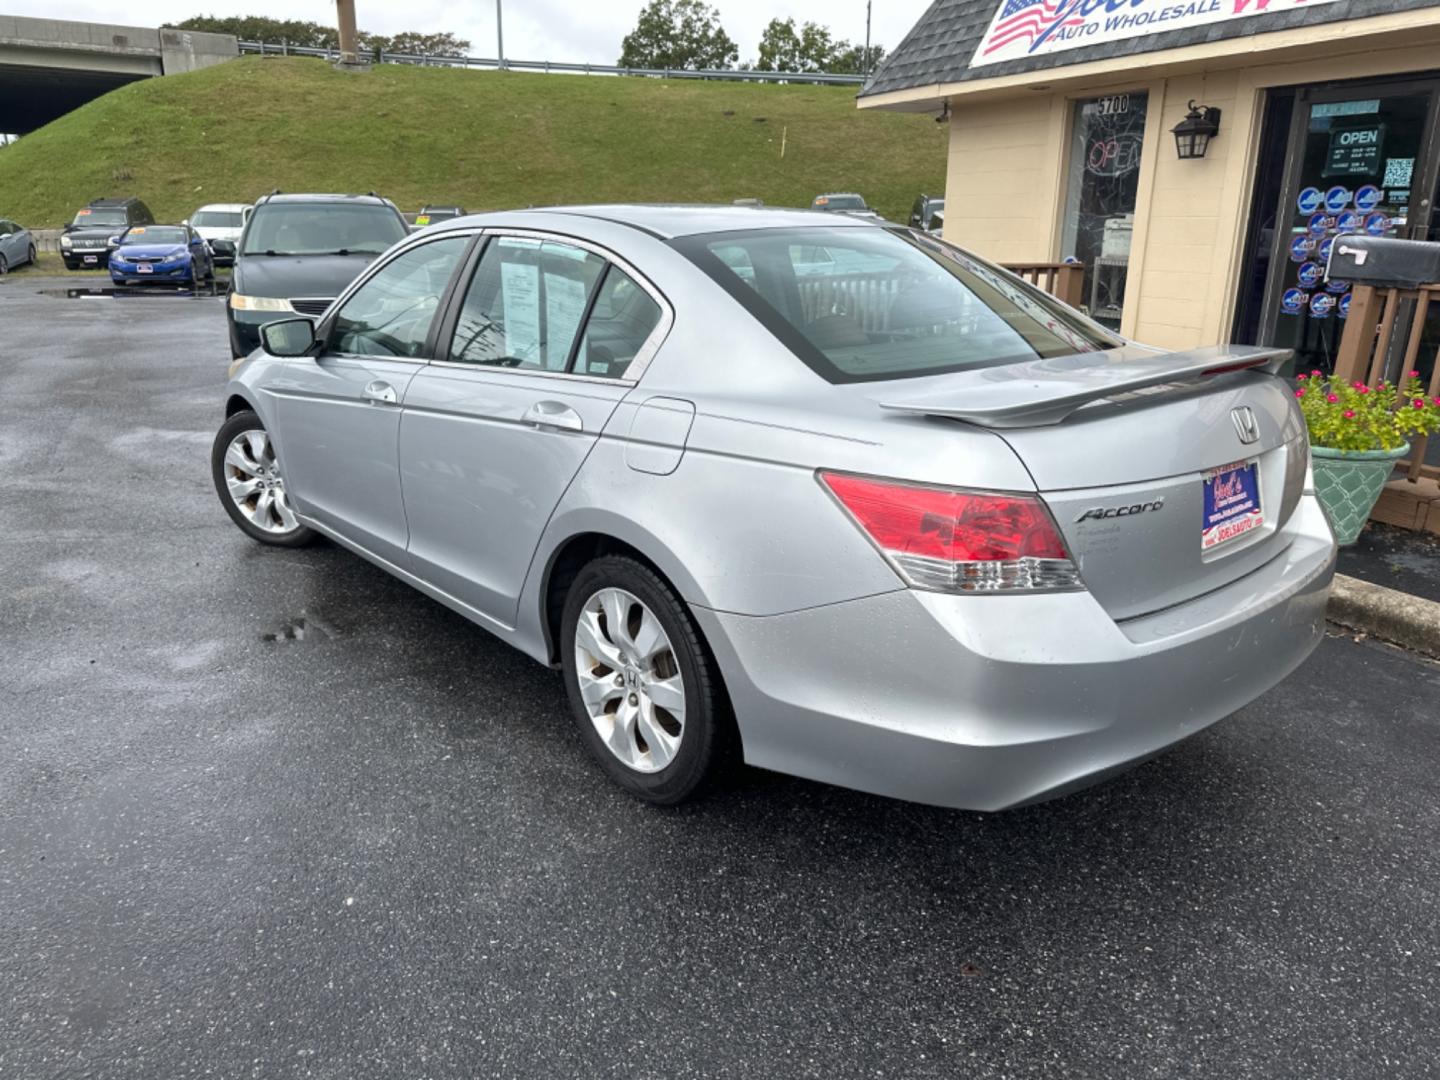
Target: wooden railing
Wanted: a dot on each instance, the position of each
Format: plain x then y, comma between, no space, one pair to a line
1366,345
1064,281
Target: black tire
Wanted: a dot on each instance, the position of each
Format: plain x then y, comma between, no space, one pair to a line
4,266
71,265
242,421
32,254
708,738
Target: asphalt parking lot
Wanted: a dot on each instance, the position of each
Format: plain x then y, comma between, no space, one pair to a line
271,813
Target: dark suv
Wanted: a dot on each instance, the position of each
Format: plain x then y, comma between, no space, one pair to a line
298,252
87,241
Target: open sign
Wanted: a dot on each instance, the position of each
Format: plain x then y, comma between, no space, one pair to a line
1355,151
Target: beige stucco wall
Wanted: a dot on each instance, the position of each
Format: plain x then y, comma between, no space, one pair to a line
1004,187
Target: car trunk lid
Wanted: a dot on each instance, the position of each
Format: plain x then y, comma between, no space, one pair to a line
1127,448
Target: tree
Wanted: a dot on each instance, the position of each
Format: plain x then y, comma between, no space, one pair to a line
684,34
312,35
810,48
445,44
854,61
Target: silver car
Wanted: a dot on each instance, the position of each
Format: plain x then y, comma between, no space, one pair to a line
829,495
17,246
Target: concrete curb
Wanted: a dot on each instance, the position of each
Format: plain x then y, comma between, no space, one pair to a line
1399,618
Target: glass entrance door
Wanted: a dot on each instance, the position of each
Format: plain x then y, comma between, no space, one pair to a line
1358,159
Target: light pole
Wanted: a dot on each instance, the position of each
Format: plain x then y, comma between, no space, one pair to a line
500,31
345,15
865,61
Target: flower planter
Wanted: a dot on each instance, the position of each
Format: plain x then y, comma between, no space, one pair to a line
1349,482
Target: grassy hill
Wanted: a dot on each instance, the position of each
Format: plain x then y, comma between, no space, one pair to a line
487,140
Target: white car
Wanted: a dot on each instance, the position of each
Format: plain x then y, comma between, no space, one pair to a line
221,224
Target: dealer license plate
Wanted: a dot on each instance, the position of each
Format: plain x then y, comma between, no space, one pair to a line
91,258
145,268
1231,504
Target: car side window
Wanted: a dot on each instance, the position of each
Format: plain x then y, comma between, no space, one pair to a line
390,315
622,320
524,304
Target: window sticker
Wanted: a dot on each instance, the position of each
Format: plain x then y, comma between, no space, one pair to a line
1301,248
564,307
520,287
1367,198
1337,198
1294,301
1343,307
1321,305
1320,224
1349,222
1310,200
1377,224
1309,274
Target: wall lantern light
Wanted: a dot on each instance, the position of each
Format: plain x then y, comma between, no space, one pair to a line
1193,134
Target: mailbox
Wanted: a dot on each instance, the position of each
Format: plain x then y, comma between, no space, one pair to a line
1382,262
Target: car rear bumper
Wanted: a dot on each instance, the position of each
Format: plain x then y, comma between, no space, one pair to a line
988,702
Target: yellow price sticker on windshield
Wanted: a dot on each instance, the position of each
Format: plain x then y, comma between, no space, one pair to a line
423,219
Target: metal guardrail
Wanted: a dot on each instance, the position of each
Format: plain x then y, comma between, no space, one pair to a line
488,63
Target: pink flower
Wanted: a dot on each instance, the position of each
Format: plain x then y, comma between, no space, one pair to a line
1299,393
1301,378
1414,374
1349,414
1363,388
1316,372
1437,402
1418,403
1332,398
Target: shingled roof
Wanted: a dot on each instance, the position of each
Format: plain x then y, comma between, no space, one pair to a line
938,49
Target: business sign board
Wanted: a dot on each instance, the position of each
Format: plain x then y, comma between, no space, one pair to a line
1023,28
1354,151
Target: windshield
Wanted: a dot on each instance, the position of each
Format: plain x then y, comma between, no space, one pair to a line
154,234
840,202
858,304
322,229
101,218
217,219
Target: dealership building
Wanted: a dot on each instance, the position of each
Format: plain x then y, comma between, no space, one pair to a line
1199,157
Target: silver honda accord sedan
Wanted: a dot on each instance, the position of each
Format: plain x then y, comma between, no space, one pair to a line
817,492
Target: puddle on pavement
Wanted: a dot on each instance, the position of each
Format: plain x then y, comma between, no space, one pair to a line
300,629
127,292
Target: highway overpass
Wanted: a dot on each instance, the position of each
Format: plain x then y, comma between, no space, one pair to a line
49,66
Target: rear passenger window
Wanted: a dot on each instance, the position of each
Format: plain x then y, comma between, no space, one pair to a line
525,304
622,320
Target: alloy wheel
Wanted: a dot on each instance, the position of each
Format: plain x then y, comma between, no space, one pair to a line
256,486
630,680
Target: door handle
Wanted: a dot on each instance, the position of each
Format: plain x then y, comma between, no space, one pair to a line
379,393
553,414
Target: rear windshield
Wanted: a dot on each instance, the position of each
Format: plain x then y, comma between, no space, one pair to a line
840,202
217,219
154,234
91,216
859,304
322,229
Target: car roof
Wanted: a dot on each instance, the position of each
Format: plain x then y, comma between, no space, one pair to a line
225,206
673,220
304,197
125,200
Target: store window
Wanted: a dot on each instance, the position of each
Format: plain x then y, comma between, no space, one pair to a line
1107,137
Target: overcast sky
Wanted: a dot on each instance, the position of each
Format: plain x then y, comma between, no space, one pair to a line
568,30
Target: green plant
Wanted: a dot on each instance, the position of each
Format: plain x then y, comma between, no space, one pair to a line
1354,416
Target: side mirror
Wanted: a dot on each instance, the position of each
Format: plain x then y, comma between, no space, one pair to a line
288,337
185,222
114,241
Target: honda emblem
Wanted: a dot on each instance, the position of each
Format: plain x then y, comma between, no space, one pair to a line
1245,424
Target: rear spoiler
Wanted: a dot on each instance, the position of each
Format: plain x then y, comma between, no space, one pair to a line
1038,393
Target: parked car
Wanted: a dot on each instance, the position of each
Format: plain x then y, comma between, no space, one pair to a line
221,224
429,215
920,530
17,246
166,253
86,241
928,213
298,252
843,203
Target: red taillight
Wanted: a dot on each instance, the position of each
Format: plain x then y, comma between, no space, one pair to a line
965,541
